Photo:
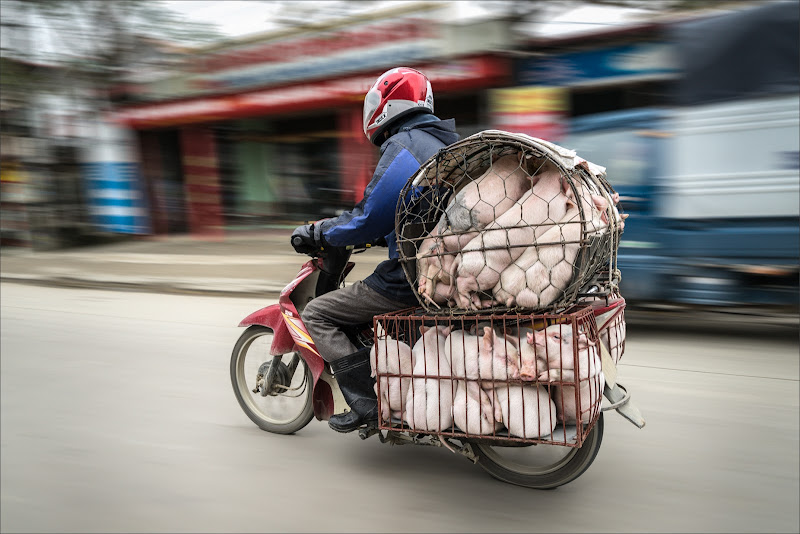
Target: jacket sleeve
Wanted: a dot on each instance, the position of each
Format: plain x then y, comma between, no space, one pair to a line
374,216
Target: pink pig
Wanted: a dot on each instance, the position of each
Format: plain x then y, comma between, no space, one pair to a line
556,357
529,365
476,205
527,411
433,270
390,356
549,275
473,410
555,348
429,401
488,357
487,197
483,259
590,397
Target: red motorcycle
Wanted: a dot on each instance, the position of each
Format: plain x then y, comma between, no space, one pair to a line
281,382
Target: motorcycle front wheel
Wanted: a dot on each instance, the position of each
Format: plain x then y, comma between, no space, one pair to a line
539,466
285,404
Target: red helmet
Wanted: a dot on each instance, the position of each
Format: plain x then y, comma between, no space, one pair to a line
396,93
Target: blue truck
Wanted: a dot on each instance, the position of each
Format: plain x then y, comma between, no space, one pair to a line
711,180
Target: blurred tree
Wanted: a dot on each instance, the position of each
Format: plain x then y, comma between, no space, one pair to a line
95,43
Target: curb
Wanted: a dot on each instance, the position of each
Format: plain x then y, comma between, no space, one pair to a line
224,288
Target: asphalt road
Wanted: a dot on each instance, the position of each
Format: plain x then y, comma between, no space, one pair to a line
118,416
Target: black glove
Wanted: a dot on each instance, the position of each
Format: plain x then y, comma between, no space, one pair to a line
303,239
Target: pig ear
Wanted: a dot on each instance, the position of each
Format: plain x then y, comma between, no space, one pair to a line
599,202
530,338
488,334
569,193
422,329
446,330
566,188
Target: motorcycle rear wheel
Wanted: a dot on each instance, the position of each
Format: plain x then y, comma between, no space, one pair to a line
289,406
543,466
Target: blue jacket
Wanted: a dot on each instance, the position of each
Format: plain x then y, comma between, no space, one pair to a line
410,145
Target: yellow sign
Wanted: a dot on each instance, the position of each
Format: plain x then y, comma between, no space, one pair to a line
536,111
528,99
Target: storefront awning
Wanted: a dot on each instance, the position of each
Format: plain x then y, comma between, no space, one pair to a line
470,73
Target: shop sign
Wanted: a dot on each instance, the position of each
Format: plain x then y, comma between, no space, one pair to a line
535,111
313,55
460,74
633,61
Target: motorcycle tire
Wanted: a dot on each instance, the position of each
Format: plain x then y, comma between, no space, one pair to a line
549,476
249,355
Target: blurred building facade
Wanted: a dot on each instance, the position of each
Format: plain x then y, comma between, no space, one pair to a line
42,200
269,129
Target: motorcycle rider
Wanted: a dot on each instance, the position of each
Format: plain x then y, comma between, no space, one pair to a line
398,117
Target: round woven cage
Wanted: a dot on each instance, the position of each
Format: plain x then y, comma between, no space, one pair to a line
504,222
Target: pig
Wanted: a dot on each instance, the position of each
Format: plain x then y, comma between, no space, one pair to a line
429,401
590,397
477,204
488,357
527,411
479,265
555,351
488,196
433,267
541,274
473,410
529,368
390,356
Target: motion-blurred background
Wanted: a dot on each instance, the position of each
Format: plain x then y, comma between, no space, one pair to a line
151,118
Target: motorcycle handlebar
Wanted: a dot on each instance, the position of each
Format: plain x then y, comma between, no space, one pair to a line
318,252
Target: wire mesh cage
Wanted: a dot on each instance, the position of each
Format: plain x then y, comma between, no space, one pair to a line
501,222
509,378
609,315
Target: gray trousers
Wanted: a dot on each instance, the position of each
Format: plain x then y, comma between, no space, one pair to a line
351,305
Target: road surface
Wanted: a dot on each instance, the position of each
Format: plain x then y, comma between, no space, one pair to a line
118,415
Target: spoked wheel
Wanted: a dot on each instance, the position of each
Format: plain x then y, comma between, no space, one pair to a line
278,400
539,466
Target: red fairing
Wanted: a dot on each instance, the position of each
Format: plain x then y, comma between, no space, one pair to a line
291,335
271,317
301,338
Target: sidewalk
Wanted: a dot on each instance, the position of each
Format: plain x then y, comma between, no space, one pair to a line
250,265
255,265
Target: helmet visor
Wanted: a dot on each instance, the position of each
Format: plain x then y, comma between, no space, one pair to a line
371,103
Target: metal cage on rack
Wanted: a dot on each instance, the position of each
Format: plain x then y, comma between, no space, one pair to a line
501,222
504,378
